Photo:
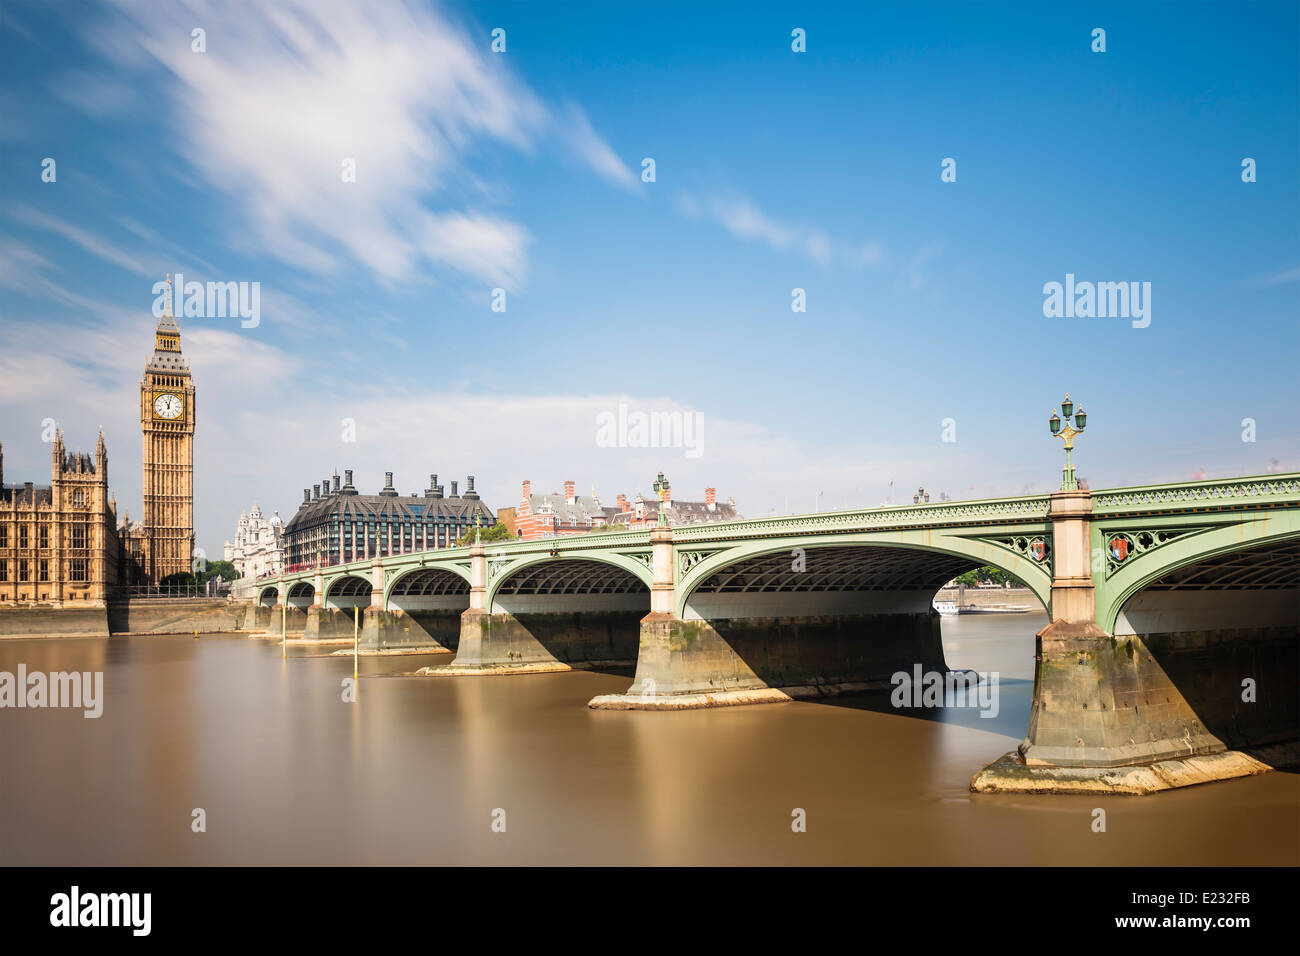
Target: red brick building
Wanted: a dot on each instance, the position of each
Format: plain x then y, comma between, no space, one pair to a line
558,515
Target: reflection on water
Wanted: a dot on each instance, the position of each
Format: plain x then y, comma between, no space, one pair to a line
412,772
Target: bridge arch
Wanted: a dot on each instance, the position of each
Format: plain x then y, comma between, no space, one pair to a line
533,579
347,591
442,587
544,611
269,596
915,563
1210,625
301,594
1200,554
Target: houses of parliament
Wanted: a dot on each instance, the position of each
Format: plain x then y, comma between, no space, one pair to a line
62,544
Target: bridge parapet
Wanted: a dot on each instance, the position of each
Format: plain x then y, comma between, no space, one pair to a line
1032,508
1261,491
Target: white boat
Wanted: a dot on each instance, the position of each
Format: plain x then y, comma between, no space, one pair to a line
945,607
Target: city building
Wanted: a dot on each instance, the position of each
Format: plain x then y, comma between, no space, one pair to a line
167,423
61,543
336,524
258,548
58,543
642,511
558,515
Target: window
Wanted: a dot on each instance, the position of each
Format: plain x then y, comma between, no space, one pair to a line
23,572
78,497
43,536
78,535
4,536
43,569
4,570
22,537
78,569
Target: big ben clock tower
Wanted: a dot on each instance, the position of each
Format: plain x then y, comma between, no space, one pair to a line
167,421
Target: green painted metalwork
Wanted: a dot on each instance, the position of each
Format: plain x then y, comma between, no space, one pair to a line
1260,491
1167,526
636,568
979,551
1220,534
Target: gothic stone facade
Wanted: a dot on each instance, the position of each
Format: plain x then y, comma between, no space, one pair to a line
167,423
58,543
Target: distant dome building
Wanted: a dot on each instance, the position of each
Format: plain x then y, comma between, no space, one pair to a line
258,548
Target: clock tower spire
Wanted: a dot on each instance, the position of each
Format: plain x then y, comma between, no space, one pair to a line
167,424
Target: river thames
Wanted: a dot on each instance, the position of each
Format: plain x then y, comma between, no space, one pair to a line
418,769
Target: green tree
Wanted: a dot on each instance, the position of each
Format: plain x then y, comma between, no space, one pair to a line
223,568
498,532
987,575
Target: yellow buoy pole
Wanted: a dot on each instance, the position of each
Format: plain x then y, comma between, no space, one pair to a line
356,612
284,628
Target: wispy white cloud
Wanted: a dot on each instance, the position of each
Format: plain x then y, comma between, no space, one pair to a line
20,265
591,149
1281,277
288,92
742,218
98,96
87,240
917,274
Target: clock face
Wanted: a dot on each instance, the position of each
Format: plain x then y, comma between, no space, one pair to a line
168,406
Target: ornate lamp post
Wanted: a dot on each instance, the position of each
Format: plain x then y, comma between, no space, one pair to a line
661,489
921,495
1067,434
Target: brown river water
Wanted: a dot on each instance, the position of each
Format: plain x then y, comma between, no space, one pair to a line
415,771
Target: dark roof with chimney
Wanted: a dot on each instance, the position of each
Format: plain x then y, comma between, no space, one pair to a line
584,508
347,505
683,512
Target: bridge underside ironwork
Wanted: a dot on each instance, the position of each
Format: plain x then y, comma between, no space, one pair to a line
349,586
573,577
1264,568
839,569
429,582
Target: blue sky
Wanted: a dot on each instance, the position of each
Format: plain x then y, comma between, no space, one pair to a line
775,170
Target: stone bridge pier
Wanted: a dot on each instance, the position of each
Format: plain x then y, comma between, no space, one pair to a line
785,622
1151,673
548,615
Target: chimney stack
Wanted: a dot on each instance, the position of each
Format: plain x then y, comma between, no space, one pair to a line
569,495
622,504
469,489
388,491
454,493
306,495
336,484
325,487
315,489
711,498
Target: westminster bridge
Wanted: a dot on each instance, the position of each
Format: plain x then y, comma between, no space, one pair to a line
1174,609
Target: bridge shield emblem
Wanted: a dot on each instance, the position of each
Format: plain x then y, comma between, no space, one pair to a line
1038,549
1119,548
